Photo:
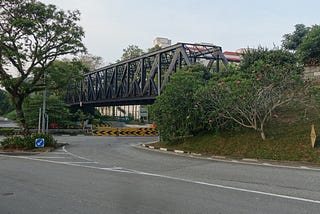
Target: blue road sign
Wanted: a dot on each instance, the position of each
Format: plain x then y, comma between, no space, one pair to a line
39,142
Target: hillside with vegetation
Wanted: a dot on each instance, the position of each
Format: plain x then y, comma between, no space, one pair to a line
262,108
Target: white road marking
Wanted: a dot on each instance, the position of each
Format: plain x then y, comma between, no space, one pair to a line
57,153
38,157
74,155
131,171
81,162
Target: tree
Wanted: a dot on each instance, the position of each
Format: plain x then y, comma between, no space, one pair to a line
57,110
5,106
33,35
62,74
174,110
154,48
309,49
91,62
293,40
249,95
131,51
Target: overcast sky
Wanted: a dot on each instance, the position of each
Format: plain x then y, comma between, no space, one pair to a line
112,25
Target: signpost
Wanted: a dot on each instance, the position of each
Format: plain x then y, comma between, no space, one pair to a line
144,113
39,143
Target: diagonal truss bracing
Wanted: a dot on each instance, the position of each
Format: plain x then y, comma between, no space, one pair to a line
141,79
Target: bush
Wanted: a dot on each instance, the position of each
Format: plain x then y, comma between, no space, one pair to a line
11,115
7,131
27,142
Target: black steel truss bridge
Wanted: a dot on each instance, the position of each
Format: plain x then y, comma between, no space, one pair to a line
139,80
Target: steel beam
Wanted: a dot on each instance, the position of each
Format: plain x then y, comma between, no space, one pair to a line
139,80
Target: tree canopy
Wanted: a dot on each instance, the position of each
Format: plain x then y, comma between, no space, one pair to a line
247,95
32,36
5,106
131,51
291,41
309,49
174,110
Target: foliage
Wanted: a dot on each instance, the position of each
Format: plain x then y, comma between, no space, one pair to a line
6,131
262,56
131,51
290,140
5,105
11,115
32,36
56,109
249,95
27,142
91,62
83,117
174,110
309,49
154,48
292,41
63,74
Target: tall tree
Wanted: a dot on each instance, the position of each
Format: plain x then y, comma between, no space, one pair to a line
57,110
154,48
174,110
5,106
91,62
32,36
63,74
131,51
309,50
292,41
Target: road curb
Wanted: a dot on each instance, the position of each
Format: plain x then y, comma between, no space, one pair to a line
254,161
165,149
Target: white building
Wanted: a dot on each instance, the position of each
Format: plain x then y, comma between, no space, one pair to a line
162,42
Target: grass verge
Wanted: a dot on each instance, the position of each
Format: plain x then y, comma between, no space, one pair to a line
288,138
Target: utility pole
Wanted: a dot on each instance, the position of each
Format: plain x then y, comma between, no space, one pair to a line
44,104
44,111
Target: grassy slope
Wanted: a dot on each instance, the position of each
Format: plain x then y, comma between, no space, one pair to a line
288,138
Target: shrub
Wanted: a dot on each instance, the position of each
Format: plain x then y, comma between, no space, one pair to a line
6,131
28,142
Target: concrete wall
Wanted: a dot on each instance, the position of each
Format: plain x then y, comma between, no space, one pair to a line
312,72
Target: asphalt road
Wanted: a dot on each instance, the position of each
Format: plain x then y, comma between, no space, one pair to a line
112,175
6,123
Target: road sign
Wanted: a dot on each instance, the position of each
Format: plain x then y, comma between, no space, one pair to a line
143,112
39,142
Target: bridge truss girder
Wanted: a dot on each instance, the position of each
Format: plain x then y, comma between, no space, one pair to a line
141,79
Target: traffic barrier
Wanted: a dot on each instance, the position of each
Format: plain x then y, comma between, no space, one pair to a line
103,126
125,132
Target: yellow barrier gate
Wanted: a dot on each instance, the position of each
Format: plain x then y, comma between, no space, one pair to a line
125,132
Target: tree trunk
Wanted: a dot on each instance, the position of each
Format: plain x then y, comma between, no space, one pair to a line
263,136
20,115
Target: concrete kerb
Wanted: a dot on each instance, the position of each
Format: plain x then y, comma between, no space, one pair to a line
164,149
192,154
275,163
